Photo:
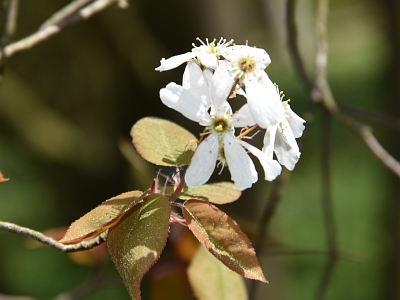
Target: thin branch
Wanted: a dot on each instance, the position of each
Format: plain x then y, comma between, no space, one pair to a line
293,44
50,30
321,91
329,220
269,211
65,13
97,281
40,237
10,28
379,118
10,22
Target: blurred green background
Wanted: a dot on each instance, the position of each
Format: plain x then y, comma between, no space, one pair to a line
67,106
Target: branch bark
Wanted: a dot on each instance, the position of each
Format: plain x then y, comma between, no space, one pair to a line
41,238
67,16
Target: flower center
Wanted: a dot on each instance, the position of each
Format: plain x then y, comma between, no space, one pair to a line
220,124
213,47
246,65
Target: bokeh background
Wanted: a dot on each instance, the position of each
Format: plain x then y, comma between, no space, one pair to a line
68,104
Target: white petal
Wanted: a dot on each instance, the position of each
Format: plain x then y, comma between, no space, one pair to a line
243,172
243,117
191,75
178,98
208,75
271,167
269,141
222,84
266,109
197,84
287,153
207,59
174,61
295,122
203,162
287,135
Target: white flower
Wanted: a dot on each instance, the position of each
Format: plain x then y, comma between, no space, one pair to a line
281,138
220,142
246,65
207,54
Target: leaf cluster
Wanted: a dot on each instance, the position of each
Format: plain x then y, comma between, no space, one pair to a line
137,223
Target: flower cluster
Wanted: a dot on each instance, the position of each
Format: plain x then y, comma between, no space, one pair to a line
215,73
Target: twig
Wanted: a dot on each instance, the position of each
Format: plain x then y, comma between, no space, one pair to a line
9,31
10,22
50,30
269,211
321,91
293,44
329,220
40,237
376,117
323,94
97,281
65,13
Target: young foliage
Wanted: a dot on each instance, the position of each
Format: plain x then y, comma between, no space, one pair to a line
220,283
162,142
2,178
102,217
223,237
218,193
136,242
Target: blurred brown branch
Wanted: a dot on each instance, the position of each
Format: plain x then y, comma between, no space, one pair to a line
320,90
98,280
74,12
10,21
379,118
269,211
320,93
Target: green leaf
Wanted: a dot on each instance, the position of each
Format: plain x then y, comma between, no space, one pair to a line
162,142
136,243
218,193
220,283
102,217
223,237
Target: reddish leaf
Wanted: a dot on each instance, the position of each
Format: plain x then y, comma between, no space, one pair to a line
223,237
136,243
2,178
102,217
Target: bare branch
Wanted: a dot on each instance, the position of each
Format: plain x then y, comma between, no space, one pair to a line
97,281
40,237
50,30
377,117
321,91
65,13
293,44
276,195
10,22
330,227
